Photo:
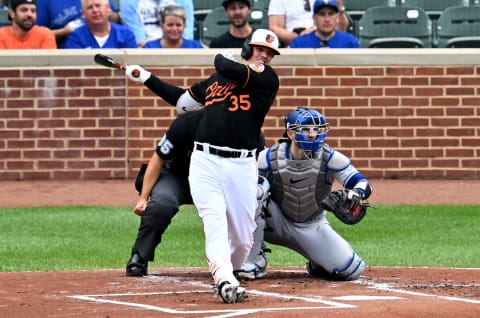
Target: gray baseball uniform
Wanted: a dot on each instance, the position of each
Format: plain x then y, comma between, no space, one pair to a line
293,216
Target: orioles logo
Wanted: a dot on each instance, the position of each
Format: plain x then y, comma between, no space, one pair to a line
217,92
269,38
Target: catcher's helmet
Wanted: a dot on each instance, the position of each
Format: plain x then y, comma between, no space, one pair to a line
261,37
303,118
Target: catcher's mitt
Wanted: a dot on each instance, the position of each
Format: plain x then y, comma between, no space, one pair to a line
347,205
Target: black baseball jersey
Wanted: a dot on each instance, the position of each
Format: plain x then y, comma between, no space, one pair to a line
237,98
176,145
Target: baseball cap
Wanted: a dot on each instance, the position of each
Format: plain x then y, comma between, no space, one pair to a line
15,3
226,2
265,38
325,3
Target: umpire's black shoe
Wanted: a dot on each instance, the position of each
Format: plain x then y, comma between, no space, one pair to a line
136,266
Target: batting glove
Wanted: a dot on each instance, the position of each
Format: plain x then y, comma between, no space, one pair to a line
229,55
137,73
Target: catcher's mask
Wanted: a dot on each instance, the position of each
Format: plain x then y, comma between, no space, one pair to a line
261,37
310,128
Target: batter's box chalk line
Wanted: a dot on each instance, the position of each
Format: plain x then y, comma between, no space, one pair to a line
103,298
318,302
393,289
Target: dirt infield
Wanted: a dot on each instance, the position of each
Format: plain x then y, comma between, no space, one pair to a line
381,292
122,193
286,292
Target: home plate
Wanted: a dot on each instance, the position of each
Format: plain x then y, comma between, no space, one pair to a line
364,297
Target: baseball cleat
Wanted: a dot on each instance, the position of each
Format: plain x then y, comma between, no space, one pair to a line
251,271
231,293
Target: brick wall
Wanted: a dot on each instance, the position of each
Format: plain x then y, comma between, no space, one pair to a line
394,121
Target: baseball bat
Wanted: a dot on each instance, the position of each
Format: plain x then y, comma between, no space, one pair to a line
108,61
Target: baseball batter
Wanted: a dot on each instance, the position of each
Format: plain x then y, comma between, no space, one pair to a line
223,170
164,187
301,171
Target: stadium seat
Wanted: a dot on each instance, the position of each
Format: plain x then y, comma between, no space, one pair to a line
259,19
216,23
395,27
434,8
260,4
203,7
459,27
356,8
4,17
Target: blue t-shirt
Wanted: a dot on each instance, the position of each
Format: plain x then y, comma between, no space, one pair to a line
338,41
55,14
120,37
187,44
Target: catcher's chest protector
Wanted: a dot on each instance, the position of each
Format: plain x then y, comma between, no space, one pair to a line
300,185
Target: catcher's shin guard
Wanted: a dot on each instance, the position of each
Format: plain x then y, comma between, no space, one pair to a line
351,271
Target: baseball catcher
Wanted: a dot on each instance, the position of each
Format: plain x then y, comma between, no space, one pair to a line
301,170
347,205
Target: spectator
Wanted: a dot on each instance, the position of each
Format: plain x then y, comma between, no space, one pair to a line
142,17
62,17
238,12
173,21
99,32
291,18
325,17
23,33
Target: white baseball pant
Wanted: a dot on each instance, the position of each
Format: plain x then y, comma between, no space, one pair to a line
224,192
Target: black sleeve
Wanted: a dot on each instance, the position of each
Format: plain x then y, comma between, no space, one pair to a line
230,69
170,93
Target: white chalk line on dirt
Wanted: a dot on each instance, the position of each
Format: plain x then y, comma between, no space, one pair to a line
102,298
329,304
393,289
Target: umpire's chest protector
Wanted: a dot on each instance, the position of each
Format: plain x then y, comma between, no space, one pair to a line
300,185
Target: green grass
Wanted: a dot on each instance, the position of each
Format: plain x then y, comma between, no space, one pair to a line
79,237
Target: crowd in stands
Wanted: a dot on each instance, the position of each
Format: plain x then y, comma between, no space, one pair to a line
175,24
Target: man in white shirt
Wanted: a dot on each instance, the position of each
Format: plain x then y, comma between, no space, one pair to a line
291,18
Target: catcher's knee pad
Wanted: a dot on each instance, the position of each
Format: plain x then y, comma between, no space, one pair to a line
351,271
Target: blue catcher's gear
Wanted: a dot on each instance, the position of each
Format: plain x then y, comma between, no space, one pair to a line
304,122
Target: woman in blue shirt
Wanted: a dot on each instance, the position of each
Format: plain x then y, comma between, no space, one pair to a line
172,22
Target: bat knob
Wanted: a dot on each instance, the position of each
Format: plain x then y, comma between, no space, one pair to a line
136,73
